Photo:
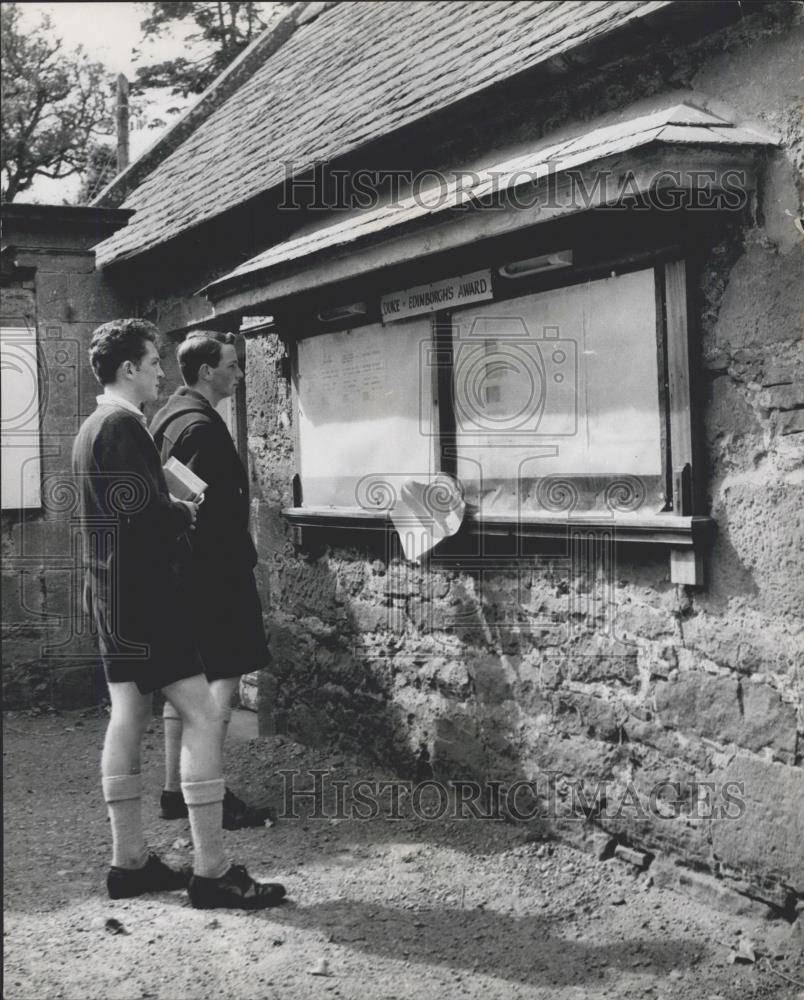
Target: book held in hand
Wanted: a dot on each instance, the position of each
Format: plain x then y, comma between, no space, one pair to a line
182,482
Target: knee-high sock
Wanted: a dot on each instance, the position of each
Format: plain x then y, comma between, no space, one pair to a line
171,720
205,805
123,796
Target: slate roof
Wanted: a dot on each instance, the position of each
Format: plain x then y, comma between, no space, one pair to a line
357,72
680,124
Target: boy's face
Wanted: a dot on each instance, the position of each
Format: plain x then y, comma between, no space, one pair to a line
226,376
146,375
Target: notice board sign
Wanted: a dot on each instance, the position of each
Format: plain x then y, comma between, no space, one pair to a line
361,398
447,294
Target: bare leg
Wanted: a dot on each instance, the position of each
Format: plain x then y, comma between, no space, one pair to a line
171,722
201,770
223,693
121,773
201,728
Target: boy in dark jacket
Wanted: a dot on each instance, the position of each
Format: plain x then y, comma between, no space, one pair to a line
133,532
228,623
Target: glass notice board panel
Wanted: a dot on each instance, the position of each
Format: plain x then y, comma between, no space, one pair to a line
22,464
556,398
365,405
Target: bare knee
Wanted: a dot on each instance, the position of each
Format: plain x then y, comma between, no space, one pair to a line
212,718
132,716
141,719
223,693
198,709
206,717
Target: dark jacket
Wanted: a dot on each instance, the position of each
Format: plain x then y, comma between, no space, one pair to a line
190,429
228,614
134,537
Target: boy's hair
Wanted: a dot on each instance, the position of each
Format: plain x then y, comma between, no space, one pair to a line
200,347
118,341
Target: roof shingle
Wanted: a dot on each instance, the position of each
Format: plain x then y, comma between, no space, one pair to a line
357,72
682,124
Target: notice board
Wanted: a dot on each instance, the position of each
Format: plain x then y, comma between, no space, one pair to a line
562,383
22,469
365,406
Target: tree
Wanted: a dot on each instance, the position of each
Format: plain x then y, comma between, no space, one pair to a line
53,103
223,31
99,170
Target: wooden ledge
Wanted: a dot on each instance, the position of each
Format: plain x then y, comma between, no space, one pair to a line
663,529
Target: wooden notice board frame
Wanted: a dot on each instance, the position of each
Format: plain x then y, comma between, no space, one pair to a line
682,526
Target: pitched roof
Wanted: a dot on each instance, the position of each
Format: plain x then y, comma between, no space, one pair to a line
680,124
357,72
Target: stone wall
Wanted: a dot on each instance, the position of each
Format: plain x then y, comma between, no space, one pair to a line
49,657
612,674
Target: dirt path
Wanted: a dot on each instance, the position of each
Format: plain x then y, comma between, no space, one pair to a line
397,908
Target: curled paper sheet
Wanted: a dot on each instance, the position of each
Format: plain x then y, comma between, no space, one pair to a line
427,512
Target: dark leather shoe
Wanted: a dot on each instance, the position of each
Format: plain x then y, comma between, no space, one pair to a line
235,890
154,876
172,805
238,815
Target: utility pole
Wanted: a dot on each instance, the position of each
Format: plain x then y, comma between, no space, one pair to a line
122,123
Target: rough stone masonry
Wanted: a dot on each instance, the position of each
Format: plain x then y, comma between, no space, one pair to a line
517,674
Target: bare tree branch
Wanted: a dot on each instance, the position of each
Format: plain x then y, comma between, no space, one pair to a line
54,102
224,30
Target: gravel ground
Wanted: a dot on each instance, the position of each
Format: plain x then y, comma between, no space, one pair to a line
386,908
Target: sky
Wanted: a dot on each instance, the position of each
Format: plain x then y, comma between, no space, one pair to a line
108,32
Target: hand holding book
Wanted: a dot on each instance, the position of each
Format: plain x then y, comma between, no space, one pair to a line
185,487
182,482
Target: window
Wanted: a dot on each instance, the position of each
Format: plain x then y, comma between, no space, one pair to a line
22,473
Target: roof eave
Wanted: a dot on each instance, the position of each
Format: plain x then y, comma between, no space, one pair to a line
647,19
237,293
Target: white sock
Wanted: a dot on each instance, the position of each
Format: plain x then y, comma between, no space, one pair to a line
205,806
123,796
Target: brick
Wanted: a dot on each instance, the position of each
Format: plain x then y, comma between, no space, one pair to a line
705,888
21,596
699,703
751,715
643,620
782,371
585,713
47,541
600,667
791,422
765,842
639,859
369,617
767,720
781,397
248,692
